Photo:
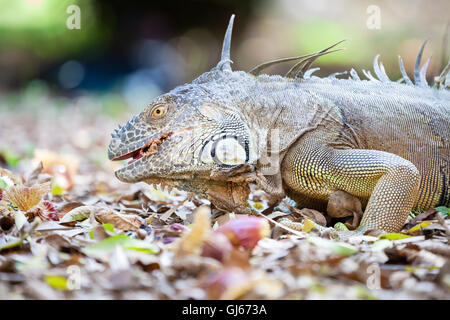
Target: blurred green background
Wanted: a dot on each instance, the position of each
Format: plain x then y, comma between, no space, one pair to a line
126,53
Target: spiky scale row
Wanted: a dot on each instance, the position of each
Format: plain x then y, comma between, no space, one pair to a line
300,67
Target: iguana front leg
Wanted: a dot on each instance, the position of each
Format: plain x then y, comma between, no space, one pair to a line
389,182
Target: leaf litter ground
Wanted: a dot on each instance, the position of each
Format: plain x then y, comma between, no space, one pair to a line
71,230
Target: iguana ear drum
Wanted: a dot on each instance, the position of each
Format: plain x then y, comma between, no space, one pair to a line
227,151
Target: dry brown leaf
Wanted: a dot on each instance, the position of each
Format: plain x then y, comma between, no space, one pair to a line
58,241
6,173
69,206
311,214
436,247
423,216
123,222
314,215
77,214
422,257
25,197
342,204
192,242
62,167
444,224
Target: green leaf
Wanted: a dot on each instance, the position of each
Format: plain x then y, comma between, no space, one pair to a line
57,190
419,226
340,248
56,282
13,242
108,227
393,236
3,184
340,226
12,159
123,241
444,210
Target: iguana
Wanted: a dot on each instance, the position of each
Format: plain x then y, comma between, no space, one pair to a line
385,142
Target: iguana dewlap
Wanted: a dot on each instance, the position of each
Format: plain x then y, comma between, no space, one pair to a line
385,142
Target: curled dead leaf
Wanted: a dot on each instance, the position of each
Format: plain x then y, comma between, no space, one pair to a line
77,214
123,222
342,204
32,178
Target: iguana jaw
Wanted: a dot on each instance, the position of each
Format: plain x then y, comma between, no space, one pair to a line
143,148
225,195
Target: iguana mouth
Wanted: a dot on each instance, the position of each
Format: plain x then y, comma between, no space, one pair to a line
149,148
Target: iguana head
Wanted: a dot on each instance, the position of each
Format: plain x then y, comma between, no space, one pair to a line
184,135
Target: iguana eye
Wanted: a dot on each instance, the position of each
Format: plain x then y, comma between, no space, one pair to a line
158,111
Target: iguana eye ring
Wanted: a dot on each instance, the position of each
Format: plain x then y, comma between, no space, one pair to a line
158,111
